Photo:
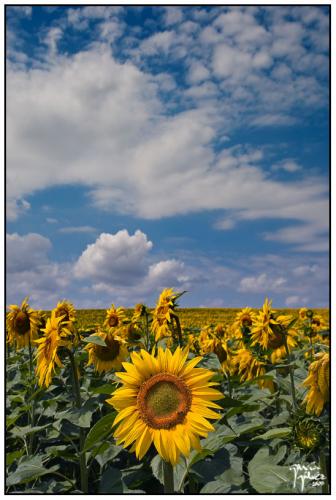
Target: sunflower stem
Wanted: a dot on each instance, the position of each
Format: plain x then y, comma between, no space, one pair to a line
291,375
78,401
168,477
323,467
178,328
229,384
147,333
31,412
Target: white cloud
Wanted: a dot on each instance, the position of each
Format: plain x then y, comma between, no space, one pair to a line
51,220
77,229
288,165
114,259
26,252
197,72
173,15
261,283
166,273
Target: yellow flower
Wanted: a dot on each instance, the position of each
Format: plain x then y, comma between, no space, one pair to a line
162,314
303,313
308,433
281,333
166,401
46,356
248,368
114,317
139,311
244,318
261,332
66,311
318,382
109,357
22,325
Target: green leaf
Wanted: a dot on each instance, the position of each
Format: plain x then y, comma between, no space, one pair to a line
111,481
104,389
264,473
99,431
275,433
110,452
12,456
28,471
95,339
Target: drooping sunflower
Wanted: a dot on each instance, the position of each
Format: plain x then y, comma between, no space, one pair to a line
244,319
166,401
248,367
317,381
281,335
115,317
140,311
47,358
109,357
22,325
162,315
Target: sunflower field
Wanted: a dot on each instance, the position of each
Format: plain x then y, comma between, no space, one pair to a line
167,400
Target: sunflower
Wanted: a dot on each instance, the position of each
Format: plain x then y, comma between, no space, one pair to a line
282,334
166,401
262,333
109,357
46,356
248,367
114,317
244,319
22,324
303,313
318,380
162,315
308,433
67,311
140,310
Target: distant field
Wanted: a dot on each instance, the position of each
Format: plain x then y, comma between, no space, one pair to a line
197,317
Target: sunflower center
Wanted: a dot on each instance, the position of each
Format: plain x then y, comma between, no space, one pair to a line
22,323
63,312
163,401
110,352
113,320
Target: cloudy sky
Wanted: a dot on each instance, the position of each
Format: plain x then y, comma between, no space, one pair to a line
168,146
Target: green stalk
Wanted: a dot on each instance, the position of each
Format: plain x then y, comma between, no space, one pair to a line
147,333
178,328
168,477
229,384
311,347
291,375
32,404
323,467
78,401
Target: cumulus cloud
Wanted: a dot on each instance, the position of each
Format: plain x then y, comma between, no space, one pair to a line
115,259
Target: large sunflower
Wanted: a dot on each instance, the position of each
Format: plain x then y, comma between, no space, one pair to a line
46,356
115,317
166,401
162,315
318,381
109,357
22,324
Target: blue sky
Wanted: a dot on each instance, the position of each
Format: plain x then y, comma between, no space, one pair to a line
150,147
